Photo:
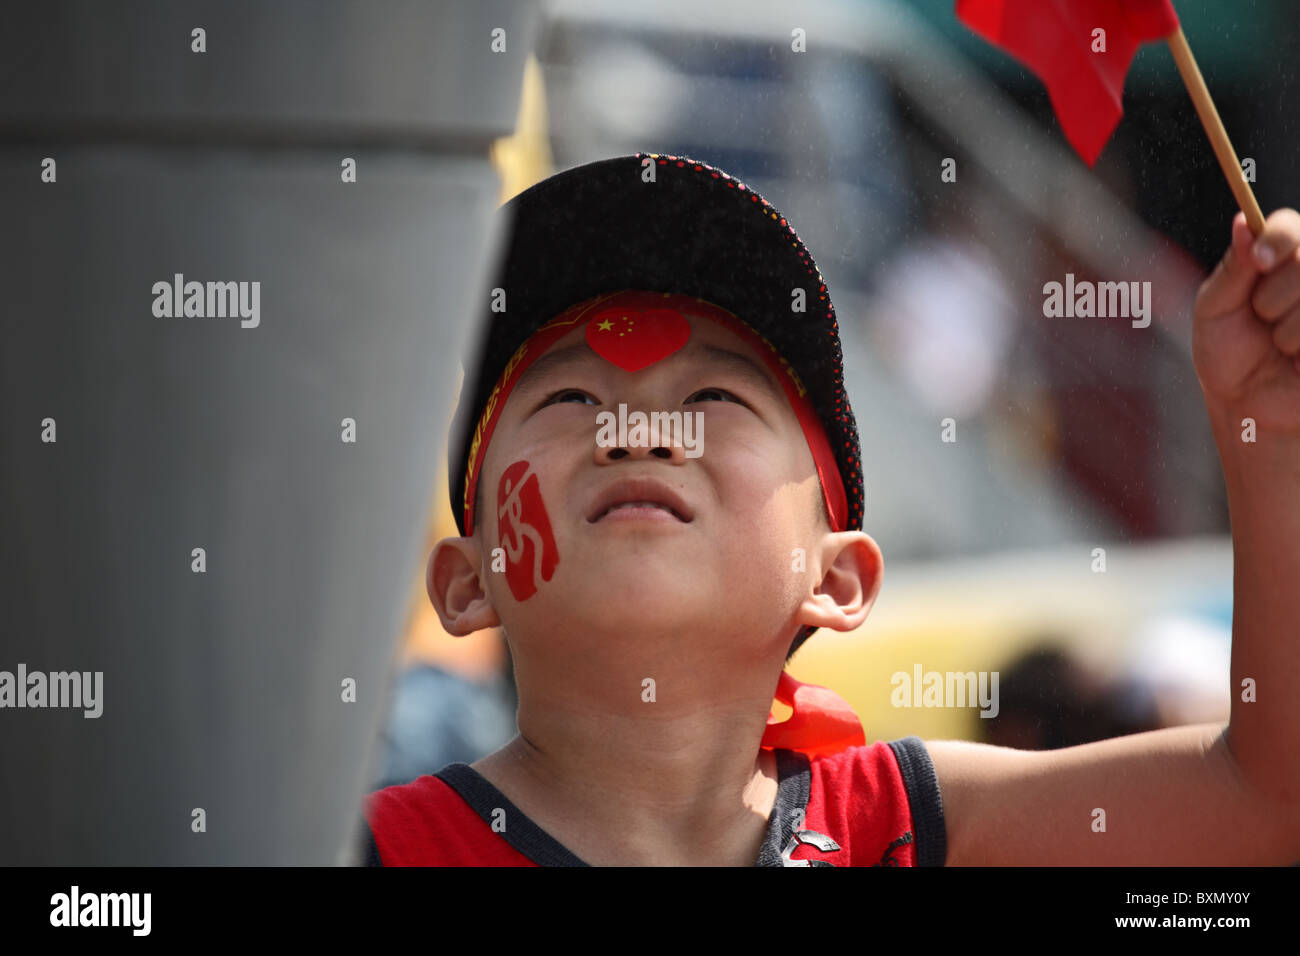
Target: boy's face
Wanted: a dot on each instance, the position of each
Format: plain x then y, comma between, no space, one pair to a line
589,583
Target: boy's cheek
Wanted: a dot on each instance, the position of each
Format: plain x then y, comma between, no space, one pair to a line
527,552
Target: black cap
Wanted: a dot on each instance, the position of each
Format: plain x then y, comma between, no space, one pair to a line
693,230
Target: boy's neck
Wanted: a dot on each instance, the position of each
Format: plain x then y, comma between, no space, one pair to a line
621,791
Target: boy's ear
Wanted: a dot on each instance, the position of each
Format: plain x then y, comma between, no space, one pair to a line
852,568
455,589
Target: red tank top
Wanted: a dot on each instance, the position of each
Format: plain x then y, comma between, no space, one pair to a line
877,805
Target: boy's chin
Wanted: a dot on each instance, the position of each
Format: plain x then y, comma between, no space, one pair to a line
650,578
632,607
620,558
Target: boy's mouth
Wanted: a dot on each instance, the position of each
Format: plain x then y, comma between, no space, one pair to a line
640,496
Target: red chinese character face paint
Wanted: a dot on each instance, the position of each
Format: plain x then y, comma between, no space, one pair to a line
524,531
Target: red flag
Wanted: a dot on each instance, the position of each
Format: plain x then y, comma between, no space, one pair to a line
1057,40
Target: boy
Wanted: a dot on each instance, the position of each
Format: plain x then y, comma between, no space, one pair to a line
650,584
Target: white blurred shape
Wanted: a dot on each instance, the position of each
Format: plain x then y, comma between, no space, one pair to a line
945,316
1186,662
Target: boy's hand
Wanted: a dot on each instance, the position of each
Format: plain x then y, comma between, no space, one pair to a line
1246,332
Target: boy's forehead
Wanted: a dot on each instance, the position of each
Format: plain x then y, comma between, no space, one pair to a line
705,340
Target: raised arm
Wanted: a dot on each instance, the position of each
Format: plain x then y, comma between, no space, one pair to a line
1203,794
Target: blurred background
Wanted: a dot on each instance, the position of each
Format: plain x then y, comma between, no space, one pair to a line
1073,434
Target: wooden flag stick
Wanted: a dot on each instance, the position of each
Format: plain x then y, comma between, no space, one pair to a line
1231,166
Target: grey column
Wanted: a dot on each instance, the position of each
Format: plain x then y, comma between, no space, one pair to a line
223,689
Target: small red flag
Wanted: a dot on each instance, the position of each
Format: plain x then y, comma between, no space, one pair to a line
1080,48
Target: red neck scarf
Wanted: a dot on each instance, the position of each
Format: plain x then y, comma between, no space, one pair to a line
822,722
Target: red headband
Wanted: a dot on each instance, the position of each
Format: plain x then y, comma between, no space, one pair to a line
617,306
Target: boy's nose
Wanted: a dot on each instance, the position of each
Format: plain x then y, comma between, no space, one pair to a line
661,444
673,453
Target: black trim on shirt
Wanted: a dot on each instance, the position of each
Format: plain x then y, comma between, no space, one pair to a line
520,832
924,798
794,786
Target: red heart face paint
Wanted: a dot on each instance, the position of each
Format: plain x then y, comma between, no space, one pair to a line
524,531
634,338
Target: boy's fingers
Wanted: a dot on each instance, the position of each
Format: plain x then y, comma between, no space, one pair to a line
1278,290
1277,293
1279,240
1275,249
1286,334
1230,285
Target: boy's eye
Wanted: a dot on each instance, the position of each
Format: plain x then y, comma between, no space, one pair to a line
717,391
566,394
